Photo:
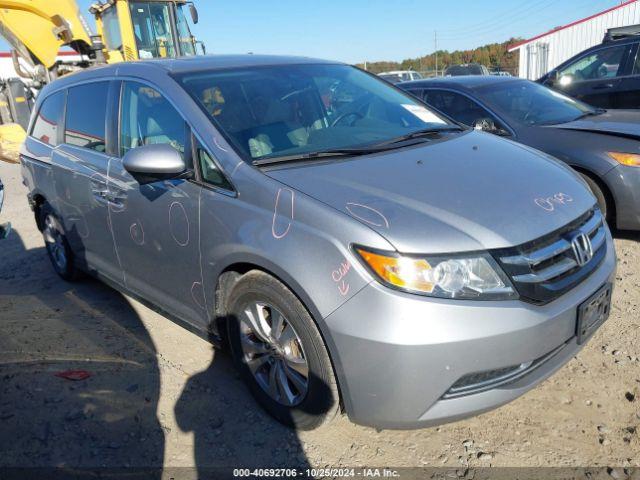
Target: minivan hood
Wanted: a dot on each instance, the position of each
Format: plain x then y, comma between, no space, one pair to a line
472,192
613,122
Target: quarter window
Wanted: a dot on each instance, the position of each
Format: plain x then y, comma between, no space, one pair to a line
604,63
636,68
45,126
85,123
148,118
210,171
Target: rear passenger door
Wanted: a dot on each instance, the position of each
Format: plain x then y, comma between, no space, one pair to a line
80,167
156,225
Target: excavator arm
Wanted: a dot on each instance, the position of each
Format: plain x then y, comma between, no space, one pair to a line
36,29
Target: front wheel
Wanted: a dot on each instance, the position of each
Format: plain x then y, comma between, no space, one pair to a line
600,196
280,352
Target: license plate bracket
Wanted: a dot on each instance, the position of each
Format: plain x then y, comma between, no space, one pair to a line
593,312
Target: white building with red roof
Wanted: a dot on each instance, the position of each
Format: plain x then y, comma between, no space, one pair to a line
546,51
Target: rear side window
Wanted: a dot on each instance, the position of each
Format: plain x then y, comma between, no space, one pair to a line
85,123
45,126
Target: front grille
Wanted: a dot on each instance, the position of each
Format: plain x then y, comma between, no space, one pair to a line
545,268
489,379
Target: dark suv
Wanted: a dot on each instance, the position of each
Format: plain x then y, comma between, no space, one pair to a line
607,75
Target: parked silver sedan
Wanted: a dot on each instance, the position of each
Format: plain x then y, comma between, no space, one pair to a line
356,250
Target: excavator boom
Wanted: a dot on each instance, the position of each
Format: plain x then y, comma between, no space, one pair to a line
41,27
37,29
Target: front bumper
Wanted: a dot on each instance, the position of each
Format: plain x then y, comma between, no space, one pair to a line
397,355
624,183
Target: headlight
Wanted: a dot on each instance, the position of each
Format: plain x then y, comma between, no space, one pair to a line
628,159
474,276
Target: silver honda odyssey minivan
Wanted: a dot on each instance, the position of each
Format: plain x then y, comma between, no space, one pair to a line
354,250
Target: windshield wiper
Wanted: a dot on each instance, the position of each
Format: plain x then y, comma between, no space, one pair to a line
350,152
422,133
337,152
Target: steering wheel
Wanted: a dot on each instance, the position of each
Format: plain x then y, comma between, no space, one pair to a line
345,115
295,92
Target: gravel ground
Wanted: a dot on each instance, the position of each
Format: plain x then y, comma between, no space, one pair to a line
158,395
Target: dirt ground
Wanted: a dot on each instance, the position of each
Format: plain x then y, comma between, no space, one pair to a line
158,395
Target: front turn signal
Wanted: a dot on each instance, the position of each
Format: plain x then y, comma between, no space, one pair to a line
628,159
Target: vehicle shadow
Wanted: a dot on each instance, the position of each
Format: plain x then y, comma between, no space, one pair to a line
230,429
228,437
110,420
79,376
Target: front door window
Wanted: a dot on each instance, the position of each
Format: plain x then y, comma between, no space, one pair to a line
602,64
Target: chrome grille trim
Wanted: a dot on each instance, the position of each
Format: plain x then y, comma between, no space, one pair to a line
545,268
535,257
555,270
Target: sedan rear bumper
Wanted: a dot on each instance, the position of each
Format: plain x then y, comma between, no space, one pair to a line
398,355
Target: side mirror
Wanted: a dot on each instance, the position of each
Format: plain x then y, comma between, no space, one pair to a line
194,13
151,163
484,124
565,80
489,126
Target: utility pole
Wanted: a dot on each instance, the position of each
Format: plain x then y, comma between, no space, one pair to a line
435,41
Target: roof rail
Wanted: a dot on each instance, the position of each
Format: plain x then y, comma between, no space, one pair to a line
621,32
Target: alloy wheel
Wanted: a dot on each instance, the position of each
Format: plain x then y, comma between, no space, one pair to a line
54,242
273,352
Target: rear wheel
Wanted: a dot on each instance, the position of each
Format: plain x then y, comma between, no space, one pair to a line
55,241
280,352
600,196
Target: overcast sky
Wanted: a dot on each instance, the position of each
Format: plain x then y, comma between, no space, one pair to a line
358,30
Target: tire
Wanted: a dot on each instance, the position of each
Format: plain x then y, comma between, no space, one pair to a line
57,245
292,341
600,196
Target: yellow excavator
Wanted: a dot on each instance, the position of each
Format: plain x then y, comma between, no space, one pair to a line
37,29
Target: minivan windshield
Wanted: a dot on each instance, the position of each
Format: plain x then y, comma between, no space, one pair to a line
289,110
532,104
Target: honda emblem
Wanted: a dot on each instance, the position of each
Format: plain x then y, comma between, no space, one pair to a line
582,248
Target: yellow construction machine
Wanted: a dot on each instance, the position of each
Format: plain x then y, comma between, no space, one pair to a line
37,29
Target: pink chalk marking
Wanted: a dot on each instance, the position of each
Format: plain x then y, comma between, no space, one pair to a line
547,204
217,143
341,272
385,222
278,236
339,275
184,213
198,286
137,233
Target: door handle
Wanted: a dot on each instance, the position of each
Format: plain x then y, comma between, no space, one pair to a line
603,86
116,198
100,193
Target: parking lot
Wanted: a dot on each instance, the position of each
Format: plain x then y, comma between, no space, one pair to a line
157,395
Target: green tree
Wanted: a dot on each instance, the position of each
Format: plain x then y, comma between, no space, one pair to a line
494,56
